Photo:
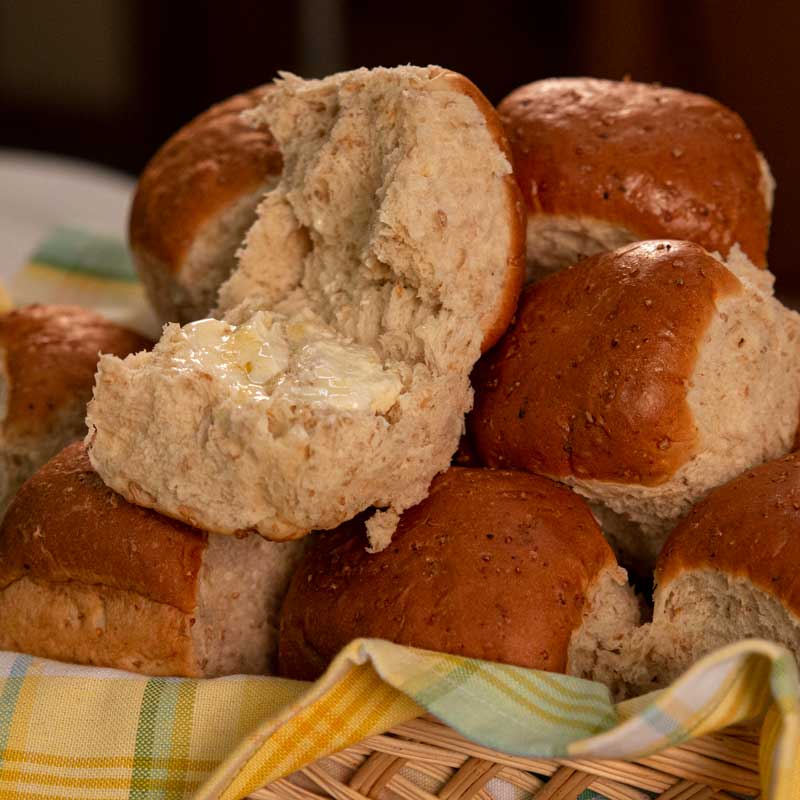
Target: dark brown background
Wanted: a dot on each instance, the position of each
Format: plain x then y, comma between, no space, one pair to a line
108,80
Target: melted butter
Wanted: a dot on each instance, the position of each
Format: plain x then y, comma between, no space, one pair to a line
246,357
298,360
344,376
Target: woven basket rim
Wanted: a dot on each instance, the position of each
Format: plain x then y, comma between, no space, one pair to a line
426,751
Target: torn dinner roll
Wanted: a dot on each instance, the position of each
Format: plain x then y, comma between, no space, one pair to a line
388,256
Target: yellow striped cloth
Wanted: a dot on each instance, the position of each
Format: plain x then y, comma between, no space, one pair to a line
77,732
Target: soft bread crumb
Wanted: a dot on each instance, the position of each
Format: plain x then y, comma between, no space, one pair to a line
747,272
242,584
380,528
697,613
556,241
94,624
611,616
394,229
212,257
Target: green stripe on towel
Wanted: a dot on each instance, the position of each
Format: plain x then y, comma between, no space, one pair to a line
78,251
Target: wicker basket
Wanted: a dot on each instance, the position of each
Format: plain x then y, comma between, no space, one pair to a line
425,760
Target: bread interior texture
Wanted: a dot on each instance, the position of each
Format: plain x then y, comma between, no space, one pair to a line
210,260
241,586
338,376
612,615
557,241
700,611
743,395
75,622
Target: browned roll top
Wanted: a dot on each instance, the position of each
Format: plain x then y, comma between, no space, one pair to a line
493,565
591,379
65,524
659,162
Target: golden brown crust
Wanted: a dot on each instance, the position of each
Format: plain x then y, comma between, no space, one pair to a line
659,162
65,525
748,528
211,162
494,328
493,565
50,356
96,625
591,379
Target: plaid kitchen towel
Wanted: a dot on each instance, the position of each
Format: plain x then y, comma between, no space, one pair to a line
79,732
76,732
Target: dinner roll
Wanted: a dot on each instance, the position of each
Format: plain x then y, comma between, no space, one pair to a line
388,256
194,202
502,566
727,572
89,578
604,163
642,378
48,357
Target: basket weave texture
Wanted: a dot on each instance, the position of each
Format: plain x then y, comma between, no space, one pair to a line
424,759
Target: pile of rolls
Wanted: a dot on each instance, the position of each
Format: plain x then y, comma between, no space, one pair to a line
506,383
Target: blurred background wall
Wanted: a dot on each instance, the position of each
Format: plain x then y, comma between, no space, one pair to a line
109,80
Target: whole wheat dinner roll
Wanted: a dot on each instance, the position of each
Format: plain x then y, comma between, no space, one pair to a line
729,571
89,578
194,202
642,378
388,256
497,565
48,357
604,163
